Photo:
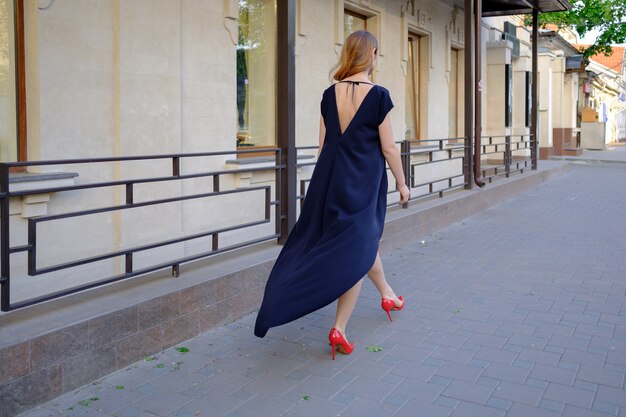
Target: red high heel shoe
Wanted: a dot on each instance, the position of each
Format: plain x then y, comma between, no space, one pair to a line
339,342
388,304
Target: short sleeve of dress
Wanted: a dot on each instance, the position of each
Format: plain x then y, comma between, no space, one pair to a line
384,105
324,104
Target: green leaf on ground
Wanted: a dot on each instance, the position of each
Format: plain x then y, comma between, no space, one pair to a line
182,349
119,387
160,365
306,398
374,349
150,358
86,403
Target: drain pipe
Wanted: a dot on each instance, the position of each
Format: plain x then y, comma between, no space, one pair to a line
477,90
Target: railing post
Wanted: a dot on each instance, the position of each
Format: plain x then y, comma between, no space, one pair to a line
5,269
405,154
535,93
469,98
286,111
507,155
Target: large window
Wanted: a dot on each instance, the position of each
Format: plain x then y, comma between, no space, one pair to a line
453,94
352,22
529,98
508,95
256,73
8,84
412,90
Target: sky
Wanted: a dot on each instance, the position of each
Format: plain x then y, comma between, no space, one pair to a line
590,37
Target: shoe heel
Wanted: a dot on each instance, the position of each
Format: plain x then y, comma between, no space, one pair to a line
332,352
389,315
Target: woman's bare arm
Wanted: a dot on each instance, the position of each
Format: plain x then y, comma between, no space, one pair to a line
322,135
392,156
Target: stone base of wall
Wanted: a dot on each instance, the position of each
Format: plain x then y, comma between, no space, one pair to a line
52,348
546,152
564,142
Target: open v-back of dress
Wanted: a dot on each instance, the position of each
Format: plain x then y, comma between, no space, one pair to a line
335,240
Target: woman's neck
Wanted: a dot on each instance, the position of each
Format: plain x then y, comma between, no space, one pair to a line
359,76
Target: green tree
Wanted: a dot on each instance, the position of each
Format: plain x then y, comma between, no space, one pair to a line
606,16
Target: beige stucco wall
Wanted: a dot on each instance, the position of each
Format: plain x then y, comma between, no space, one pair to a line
116,78
545,99
113,78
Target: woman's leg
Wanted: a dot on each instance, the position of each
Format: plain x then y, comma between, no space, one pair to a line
377,275
345,305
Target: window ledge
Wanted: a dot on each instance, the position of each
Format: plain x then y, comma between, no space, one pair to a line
15,177
245,179
36,204
425,147
261,160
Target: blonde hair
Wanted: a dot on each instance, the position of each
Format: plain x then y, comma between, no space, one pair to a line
356,55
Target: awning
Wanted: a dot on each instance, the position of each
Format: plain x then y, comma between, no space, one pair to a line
515,7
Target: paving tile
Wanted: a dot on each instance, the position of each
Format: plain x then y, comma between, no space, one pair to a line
417,390
369,388
467,391
569,342
367,408
423,408
413,370
518,393
269,406
212,403
162,402
583,358
569,395
506,372
496,355
499,403
468,409
369,368
538,356
487,340
320,387
528,341
552,405
553,374
600,376
453,354
571,411
524,410
455,370
611,395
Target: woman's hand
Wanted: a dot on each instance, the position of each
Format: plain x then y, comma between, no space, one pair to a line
405,194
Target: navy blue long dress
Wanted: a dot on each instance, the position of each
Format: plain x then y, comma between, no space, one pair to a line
335,240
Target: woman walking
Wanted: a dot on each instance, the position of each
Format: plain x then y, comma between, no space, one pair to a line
335,241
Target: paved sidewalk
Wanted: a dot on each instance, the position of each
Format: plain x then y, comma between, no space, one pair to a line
519,311
614,153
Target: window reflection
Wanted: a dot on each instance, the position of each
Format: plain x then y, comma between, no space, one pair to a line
352,22
256,73
412,89
8,120
453,94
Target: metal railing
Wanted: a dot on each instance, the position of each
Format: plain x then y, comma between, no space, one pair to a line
438,156
505,155
129,190
432,167
304,182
